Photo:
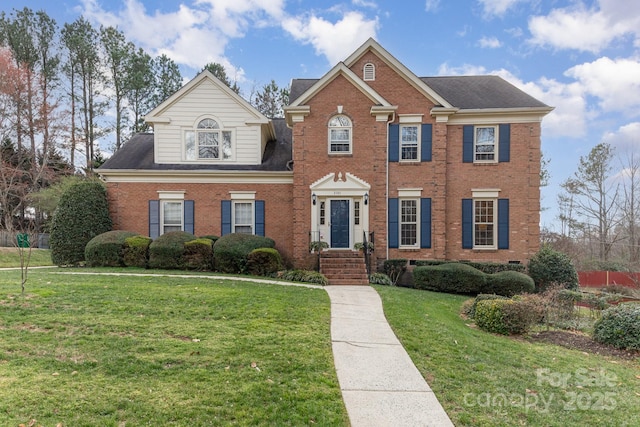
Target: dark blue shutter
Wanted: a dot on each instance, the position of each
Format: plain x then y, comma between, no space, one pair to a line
425,223
504,144
467,223
467,144
189,216
154,219
259,206
393,223
394,143
226,217
503,223
426,143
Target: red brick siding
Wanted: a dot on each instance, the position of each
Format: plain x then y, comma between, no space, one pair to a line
128,204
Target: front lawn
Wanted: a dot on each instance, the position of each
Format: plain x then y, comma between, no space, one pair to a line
114,351
10,257
483,379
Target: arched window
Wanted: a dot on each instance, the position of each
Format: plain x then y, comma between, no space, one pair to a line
208,142
369,72
340,135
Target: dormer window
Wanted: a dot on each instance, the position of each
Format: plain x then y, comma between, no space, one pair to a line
369,72
208,141
340,135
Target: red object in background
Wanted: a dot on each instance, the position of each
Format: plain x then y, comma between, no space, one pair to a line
599,279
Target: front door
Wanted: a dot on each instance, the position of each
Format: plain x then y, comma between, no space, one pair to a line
340,223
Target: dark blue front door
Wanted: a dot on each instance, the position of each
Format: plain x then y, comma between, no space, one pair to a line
339,223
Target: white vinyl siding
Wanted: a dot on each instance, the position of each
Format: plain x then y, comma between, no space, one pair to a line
203,101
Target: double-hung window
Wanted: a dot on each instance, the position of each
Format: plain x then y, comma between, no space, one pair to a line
409,142
172,215
485,143
340,129
408,222
208,142
243,219
484,223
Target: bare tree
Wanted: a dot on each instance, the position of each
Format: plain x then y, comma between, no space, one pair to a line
596,197
271,100
630,206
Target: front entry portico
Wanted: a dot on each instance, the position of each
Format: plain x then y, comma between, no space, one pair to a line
339,210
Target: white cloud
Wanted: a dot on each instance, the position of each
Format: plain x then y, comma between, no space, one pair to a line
615,82
489,42
568,119
497,7
463,70
432,5
193,35
625,140
365,3
333,40
590,30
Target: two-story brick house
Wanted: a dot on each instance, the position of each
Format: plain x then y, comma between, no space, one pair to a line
436,167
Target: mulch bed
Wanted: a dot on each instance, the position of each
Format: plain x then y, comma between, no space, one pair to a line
581,342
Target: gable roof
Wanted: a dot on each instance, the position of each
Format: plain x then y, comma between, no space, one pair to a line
458,92
155,115
137,155
373,46
315,86
480,92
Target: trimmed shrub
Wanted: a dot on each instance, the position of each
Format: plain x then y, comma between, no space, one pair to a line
167,250
506,316
264,262
198,254
394,268
482,297
136,251
508,283
380,279
549,267
452,278
107,249
230,252
211,237
305,276
619,326
485,267
81,215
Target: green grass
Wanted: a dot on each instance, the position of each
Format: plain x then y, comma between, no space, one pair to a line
488,380
103,350
10,257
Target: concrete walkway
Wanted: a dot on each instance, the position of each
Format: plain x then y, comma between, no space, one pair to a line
380,384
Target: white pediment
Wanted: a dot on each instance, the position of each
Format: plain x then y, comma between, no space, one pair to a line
345,185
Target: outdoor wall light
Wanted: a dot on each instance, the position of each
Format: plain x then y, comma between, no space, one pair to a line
366,198
313,199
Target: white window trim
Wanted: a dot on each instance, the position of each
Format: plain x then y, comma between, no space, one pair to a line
418,144
243,197
171,196
495,143
400,222
195,131
329,128
495,224
234,224
162,206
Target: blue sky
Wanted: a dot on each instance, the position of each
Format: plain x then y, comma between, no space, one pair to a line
581,57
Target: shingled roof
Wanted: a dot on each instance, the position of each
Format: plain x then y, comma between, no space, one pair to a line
137,154
464,92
